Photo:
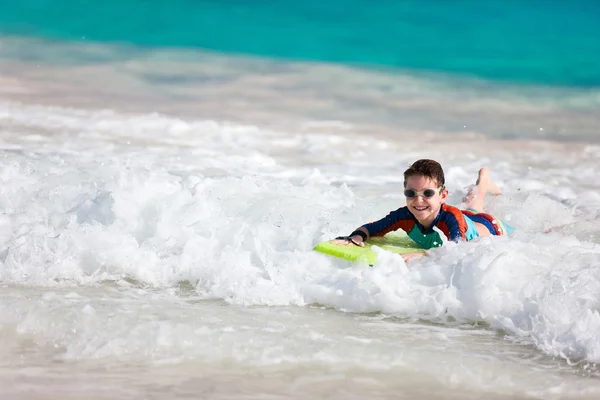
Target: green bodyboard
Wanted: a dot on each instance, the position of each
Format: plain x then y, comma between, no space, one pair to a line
396,242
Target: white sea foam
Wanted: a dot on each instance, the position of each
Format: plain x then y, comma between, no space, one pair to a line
239,224
149,238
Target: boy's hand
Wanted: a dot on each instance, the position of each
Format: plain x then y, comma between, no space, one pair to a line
355,240
410,256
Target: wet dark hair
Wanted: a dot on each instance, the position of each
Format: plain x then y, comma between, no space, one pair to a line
428,168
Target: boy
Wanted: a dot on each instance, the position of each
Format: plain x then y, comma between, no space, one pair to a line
426,209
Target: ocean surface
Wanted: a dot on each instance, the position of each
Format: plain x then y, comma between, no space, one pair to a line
530,41
167,167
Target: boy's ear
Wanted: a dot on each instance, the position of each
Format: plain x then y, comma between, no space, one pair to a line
444,195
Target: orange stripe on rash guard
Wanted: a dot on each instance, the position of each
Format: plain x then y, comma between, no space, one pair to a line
444,228
460,219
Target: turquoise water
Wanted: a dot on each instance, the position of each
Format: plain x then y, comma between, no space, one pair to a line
530,41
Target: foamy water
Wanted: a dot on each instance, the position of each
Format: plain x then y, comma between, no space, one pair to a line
164,254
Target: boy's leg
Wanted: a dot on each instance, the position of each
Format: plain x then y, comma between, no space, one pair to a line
475,198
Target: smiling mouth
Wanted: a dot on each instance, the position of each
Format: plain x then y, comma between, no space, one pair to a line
423,208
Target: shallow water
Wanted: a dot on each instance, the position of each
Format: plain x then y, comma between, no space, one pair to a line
158,211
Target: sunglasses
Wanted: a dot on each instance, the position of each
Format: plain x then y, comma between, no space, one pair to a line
427,193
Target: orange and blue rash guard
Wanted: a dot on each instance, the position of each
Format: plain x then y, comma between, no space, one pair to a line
450,221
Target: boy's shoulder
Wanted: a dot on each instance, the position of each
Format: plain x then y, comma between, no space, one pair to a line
452,212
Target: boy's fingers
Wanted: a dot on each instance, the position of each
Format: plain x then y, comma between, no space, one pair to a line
347,242
340,241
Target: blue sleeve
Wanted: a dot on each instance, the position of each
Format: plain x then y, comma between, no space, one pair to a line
398,219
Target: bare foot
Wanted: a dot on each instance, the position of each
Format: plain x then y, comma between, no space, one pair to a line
485,183
483,186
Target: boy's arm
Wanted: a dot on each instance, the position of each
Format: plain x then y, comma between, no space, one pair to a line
398,219
453,224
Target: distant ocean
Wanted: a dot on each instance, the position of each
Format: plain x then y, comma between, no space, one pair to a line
529,41
166,168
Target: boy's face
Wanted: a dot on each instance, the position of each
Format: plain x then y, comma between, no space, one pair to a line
423,208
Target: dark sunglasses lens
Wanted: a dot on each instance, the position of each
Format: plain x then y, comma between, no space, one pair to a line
410,193
428,193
